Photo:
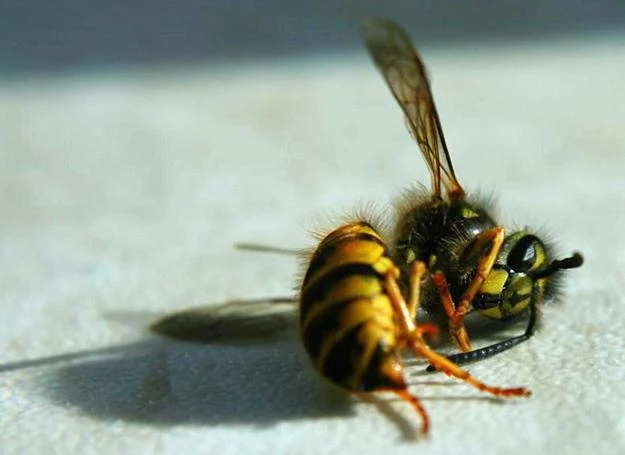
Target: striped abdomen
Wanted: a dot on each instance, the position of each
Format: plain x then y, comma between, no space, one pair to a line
346,319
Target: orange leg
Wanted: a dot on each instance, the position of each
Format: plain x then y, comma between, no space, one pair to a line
406,312
420,347
414,401
448,367
456,313
430,329
417,273
418,270
484,266
457,328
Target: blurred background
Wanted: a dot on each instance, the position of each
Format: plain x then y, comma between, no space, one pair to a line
65,35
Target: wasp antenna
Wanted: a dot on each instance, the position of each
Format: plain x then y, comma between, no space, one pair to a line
571,262
497,348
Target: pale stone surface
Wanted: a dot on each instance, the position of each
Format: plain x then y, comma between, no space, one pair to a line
123,193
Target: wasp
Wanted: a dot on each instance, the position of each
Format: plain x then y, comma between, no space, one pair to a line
355,322
360,295
473,263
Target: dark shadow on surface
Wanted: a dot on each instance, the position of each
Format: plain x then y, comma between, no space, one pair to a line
233,323
409,429
242,370
40,35
163,382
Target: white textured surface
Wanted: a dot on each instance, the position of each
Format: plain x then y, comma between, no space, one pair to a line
122,195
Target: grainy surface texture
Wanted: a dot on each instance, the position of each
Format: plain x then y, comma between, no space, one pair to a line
123,193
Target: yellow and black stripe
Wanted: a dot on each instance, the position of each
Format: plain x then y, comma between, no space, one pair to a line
347,321
512,285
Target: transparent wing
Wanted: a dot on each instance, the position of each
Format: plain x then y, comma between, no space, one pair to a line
260,248
391,50
231,323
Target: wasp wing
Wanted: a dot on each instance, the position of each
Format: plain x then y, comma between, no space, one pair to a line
232,323
260,248
390,48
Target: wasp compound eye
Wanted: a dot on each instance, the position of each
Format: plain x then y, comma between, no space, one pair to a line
525,253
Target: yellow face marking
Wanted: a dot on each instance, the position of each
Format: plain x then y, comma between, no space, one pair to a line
516,309
494,282
519,286
541,258
432,261
493,313
516,236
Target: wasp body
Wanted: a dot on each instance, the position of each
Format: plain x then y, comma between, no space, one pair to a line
473,263
355,322
360,297
347,320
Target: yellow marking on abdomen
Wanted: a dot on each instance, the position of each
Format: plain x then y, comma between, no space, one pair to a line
352,251
377,311
353,228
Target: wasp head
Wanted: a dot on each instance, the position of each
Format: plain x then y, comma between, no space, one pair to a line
523,272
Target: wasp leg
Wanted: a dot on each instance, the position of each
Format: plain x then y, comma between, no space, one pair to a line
488,351
496,348
430,329
484,266
417,273
448,367
415,341
416,403
457,328
413,401
456,313
406,314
